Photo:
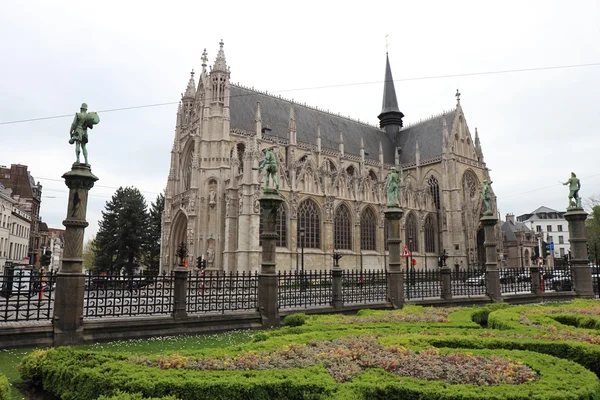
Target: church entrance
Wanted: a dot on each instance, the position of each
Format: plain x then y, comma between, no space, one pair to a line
178,235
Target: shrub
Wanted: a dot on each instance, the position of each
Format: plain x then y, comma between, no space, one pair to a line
480,316
295,319
260,337
133,396
4,388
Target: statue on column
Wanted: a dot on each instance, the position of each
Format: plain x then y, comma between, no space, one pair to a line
486,196
392,189
82,121
270,164
574,186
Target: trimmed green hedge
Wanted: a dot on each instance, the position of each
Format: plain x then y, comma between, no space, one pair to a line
4,388
71,374
133,396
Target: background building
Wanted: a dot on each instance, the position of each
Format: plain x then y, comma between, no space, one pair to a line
15,226
55,242
332,174
29,194
519,243
550,226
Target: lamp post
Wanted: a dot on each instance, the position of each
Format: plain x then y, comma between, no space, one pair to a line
412,267
302,244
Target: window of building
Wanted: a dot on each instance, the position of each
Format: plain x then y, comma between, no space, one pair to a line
429,234
562,251
560,228
538,228
367,230
469,185
342,228
550,239
561,240
280,226
434,189
548,228
412,233
309,218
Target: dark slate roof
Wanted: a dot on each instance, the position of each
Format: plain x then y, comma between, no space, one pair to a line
390,102
510,229
275,112
429,135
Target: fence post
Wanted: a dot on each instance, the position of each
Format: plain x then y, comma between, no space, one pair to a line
395,276
582,273
180,292
70,280
492,275
446,282
336,282
536,286
270,201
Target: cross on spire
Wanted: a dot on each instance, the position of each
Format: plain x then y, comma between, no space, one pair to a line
457,97
204,58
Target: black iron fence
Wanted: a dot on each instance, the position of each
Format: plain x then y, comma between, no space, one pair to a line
515,280
467,282
215,291
421,284
558,278
26,295
367,286
116,295
304,289
596,280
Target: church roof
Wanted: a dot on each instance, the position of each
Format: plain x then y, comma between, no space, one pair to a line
511,229
275,112
428,134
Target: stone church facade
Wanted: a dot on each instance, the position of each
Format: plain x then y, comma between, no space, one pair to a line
332,174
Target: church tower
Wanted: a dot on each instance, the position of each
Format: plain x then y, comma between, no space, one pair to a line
390,118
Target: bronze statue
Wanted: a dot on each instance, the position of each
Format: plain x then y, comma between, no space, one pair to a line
486,195
271,167
82,121
392,190
574,186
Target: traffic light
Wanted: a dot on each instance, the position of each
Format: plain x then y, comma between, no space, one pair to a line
199,262
545,250
536,254
46,258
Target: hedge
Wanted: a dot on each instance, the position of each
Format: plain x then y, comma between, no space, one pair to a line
133,396
4,388
72,374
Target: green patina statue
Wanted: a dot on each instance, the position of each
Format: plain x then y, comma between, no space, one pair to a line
392,190
270,165
486,195
574,186
82,121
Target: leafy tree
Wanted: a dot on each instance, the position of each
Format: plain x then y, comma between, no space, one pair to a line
154,234
592,228
123,234
89,255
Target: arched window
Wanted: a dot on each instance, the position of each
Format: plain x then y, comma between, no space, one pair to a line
367,230
429,234
309,219
342,228
434,189
469,185
412,233
280,226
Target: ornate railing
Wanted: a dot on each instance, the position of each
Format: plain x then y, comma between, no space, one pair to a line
515,280
116,295
220,292
422,284
301,290
27,296
558,279
467,282
367,286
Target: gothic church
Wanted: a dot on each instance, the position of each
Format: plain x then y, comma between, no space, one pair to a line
332,174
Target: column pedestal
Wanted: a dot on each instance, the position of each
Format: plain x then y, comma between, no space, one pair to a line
268,283
492,275
582,273
70,280
395,274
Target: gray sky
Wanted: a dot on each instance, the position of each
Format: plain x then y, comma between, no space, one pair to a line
535,127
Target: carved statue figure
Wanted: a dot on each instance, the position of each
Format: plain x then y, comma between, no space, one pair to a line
393,185
78,133
486,195
574,186
210,255
212,197
270,164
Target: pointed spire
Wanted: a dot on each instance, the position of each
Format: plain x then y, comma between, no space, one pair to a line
417,154
390,113
362,143
258,115
234,155
457,95
380,152
220,63
292,121
477,144
190,91
342,143
258,121
204,59
318,137
362,149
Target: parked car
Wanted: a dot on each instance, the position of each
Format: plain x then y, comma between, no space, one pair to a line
478,280
561,281
524,277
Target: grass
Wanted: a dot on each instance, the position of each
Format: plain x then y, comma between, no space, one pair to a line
156,345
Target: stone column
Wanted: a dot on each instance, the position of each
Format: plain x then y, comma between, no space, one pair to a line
336,282
395,274
446,282
582,273
492,275
536,286
270,202
70,280
180,291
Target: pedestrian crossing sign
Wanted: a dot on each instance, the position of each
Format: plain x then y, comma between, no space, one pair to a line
406,252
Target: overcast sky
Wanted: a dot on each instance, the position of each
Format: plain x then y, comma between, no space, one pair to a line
535,126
